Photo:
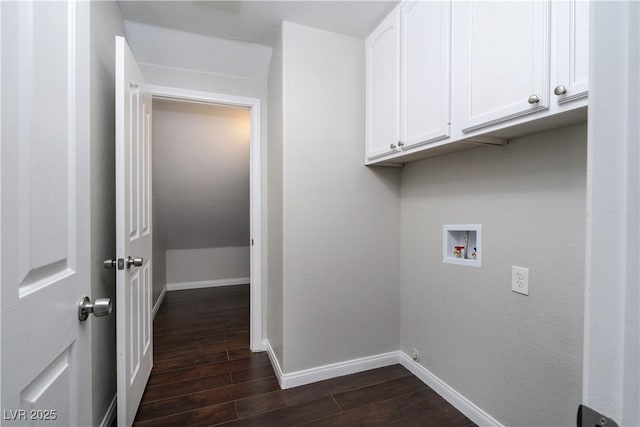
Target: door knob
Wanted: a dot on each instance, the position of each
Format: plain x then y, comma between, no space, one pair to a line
560,90
136,262
100,307
534,99
110,263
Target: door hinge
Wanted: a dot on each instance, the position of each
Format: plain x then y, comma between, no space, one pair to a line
587,417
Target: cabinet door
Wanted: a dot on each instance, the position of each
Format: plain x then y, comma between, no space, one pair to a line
382,132
425,87
503,55
572,66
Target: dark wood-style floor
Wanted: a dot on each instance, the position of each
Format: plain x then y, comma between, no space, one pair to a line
204,374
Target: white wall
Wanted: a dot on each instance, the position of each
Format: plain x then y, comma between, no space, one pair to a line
612,309
187,51
517,357
259,21
341,255
274,285
207,264
201,174
106,23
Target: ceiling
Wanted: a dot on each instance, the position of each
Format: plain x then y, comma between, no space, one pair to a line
201,174
258,21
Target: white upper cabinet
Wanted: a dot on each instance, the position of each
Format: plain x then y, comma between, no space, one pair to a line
571,81
443,75
503,58
425,72
382,131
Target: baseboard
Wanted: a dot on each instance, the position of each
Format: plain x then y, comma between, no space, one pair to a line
320,373
110,415
274,361
258,346
308,376
158,303
448,393
179,286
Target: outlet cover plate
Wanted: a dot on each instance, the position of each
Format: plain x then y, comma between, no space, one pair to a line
520,280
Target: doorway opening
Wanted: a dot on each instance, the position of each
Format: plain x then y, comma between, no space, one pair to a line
215,236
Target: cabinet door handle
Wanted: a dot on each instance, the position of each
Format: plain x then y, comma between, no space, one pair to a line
392,146
400,144
534,99
560,90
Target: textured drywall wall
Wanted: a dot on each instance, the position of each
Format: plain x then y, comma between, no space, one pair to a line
341,254
274,295
517,357
201,174
106,23
196,265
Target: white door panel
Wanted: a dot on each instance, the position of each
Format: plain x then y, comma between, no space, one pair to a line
133,228
503,54
45,213
572,49
425,91
382,131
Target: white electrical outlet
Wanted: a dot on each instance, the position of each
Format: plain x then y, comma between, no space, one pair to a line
520,280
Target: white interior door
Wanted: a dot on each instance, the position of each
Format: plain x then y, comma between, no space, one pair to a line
45,213
133,228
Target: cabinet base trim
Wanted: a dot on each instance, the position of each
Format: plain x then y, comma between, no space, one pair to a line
486,140
501,119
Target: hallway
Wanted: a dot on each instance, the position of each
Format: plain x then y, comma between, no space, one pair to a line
204,374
